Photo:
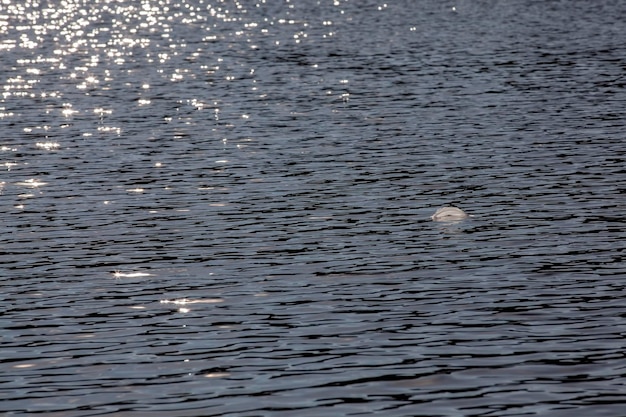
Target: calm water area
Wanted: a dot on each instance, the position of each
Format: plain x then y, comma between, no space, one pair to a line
222,208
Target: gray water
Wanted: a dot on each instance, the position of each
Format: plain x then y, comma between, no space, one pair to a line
223,208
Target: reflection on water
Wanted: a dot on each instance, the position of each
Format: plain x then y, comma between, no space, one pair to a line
225,206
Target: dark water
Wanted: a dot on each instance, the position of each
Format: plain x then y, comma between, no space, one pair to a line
222,208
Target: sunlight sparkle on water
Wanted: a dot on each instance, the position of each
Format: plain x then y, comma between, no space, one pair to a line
101,111
33,183
119,274
24,365
113,129
186,301
48,146
67,110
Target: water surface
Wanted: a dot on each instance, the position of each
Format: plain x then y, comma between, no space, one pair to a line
223,208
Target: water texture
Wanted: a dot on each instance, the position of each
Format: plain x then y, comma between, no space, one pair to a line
222,208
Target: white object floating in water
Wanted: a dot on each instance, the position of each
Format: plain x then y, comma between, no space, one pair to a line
449,214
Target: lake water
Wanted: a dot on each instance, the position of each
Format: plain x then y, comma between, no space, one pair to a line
222,208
